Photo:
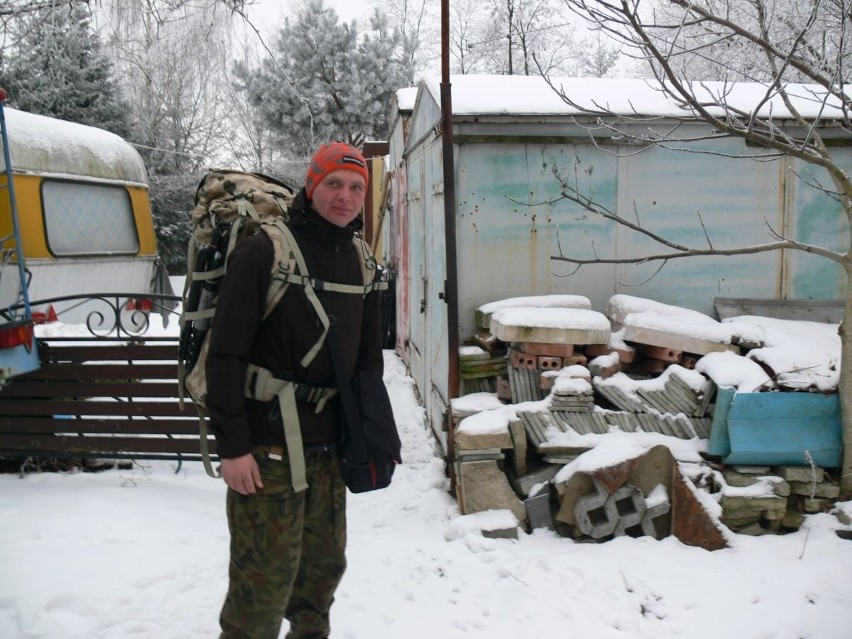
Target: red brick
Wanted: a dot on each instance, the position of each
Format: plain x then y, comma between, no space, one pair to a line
550,350
549,363
661,352
519,359
650,366
626,355
596,350
689,360
574,359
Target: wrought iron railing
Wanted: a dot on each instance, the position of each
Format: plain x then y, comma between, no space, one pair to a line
112,316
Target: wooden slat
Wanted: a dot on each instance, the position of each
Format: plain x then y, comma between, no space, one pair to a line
44,425
146,352
25,407
45,390
119,400
104,371
87,446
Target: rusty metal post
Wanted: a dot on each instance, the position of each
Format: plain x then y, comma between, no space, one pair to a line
450,294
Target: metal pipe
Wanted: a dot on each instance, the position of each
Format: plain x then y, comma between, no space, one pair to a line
451,282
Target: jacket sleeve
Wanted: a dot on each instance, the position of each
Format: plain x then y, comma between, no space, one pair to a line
239,309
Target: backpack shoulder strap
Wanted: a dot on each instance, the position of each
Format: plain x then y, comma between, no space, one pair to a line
283,274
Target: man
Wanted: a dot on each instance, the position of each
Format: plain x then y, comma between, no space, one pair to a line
287,541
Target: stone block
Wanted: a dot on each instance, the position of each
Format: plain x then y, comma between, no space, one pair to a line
528,482
478,441
482,486
774,515
737,479
792,520
734,503
815,505
801,474
752,470
825,490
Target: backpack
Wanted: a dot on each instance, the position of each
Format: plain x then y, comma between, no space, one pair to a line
231,205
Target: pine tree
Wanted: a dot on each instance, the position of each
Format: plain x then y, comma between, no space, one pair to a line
59,70
325,82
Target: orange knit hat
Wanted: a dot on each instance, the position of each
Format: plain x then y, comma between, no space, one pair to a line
332,157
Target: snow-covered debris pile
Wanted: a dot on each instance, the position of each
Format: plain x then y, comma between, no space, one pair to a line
571,380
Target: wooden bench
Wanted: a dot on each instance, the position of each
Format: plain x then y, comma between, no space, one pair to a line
100,400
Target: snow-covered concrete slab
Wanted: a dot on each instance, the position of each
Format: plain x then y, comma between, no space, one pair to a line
484,312
649,322
550,325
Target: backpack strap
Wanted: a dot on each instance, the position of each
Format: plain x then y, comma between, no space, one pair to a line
263,386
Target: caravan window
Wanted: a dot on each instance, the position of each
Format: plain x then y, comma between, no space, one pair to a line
88,219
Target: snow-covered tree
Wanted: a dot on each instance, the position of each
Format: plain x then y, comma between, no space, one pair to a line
59,69
324,81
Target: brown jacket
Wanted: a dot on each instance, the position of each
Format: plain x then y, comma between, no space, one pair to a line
280,341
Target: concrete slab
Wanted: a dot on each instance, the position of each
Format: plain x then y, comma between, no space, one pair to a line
551,326
484,312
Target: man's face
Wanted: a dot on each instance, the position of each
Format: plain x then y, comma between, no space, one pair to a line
339,197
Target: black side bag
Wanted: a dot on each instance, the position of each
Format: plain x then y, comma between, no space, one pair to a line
370,446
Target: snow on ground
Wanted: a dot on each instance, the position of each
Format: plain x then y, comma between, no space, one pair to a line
142,553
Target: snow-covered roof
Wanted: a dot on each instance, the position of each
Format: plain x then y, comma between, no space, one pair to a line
46,145
405,98
531,95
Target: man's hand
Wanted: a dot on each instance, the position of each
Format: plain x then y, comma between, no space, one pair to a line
242,474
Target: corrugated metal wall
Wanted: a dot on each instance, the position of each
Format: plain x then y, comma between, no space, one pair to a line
511,220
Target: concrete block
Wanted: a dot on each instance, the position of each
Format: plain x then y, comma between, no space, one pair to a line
539,513
659,337
484,486
801,474
824,490
478,441
551,325
792,520
734,503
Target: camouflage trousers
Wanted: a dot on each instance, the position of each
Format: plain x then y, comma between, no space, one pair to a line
287,551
